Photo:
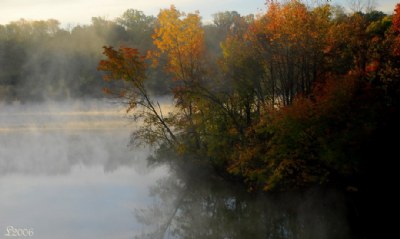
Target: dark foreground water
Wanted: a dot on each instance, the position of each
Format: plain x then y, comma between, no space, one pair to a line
66,171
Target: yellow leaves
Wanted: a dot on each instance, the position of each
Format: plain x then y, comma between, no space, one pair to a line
181,37
153,56
293,24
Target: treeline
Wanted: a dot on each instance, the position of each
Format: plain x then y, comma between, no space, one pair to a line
300,96
41,60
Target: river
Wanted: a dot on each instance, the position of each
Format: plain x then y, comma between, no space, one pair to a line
67,171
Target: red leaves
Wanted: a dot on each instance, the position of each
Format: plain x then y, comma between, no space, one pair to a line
125,64
396,19
396,30
372,67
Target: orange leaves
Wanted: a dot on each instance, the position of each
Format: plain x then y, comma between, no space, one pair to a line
122,64
372,67
396,30
181,37
286,21
293,24
295,146
291,41
396,19
126,66
271,123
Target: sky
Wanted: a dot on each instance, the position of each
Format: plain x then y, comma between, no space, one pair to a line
81,11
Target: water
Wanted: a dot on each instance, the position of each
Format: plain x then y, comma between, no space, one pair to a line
67,171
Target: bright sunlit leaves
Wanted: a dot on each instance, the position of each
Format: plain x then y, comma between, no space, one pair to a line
181,37
289,103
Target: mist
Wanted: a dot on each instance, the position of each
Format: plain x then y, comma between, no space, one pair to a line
198,208
220,140
66,170
42,61
52,138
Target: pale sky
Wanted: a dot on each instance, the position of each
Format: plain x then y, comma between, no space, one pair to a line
81,11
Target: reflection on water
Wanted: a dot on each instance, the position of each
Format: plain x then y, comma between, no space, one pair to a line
196,208
66,171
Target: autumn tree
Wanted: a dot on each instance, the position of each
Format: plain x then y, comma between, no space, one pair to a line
243,74
396,28
301,97
291,41
180,38
295,100
266,62
127,66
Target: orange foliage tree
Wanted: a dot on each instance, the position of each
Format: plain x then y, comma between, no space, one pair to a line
180,38
396,30
127,67
291,41
298,98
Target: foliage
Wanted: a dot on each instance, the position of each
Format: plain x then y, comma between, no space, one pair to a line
315,141
294,98
182,40
41,60
138,28
127,65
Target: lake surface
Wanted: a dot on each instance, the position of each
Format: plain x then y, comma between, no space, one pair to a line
67,171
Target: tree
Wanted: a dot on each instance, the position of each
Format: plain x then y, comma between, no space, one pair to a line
226,20
362,5
291,41
181,38
294,102
396,30
217,32
138,26
128,66
108,30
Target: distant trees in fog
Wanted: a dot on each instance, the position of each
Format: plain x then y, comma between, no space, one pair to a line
39,59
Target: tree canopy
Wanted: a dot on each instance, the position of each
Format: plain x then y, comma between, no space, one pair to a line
294,98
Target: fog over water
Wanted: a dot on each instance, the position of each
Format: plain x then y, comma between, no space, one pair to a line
66,170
